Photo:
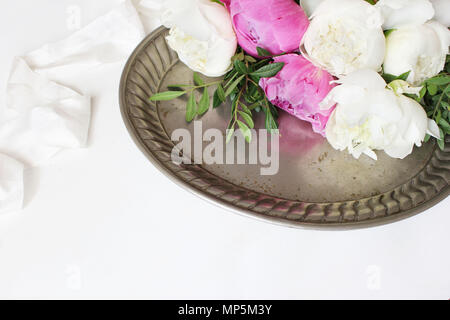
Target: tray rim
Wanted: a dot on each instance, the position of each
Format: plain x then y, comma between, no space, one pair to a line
218,202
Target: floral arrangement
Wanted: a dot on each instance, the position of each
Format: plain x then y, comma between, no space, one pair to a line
368,75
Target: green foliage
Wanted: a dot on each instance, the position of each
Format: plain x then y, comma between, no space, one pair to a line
167,95
389,77
435,98
191,108
240,85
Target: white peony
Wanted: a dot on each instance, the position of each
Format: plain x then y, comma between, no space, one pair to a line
399,13
309,6
201,33
369,116
345,36
420,49
442,8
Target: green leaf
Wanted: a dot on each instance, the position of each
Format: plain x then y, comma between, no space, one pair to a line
427,138
422,93
255,105
388,32
404,76
245,109
438,117
198,80
447,91
234,102
263,52
441,144
219,96
268,71
253,93
221,93
248,119
230,74
250,59
271,124
230,133
390,77
238,56
240,67
217,1
439,80
269,121
247,133
432,89
216,101
176,88
203,105
167,95
274,111
234,85
444,125
191,108
230,81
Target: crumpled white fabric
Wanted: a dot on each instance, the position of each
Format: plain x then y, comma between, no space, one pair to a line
43,117
150,12
11,184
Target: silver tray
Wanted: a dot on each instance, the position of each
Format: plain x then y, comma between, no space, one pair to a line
316,186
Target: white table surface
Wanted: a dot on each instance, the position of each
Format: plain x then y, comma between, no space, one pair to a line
102,222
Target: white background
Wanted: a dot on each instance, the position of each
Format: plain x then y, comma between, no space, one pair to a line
104,223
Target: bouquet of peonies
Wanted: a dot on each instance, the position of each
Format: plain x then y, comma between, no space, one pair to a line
368,75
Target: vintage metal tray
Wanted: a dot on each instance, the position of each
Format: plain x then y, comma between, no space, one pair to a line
316,186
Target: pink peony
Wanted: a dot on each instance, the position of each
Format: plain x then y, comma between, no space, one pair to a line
275,25
299,88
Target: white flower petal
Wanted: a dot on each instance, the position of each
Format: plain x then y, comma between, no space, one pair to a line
421,50
399,149
202,34
345,36
371,154
399,13
416,119
442,8
364,78
370,117
433,129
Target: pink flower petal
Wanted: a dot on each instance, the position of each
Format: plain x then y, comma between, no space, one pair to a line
298,89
